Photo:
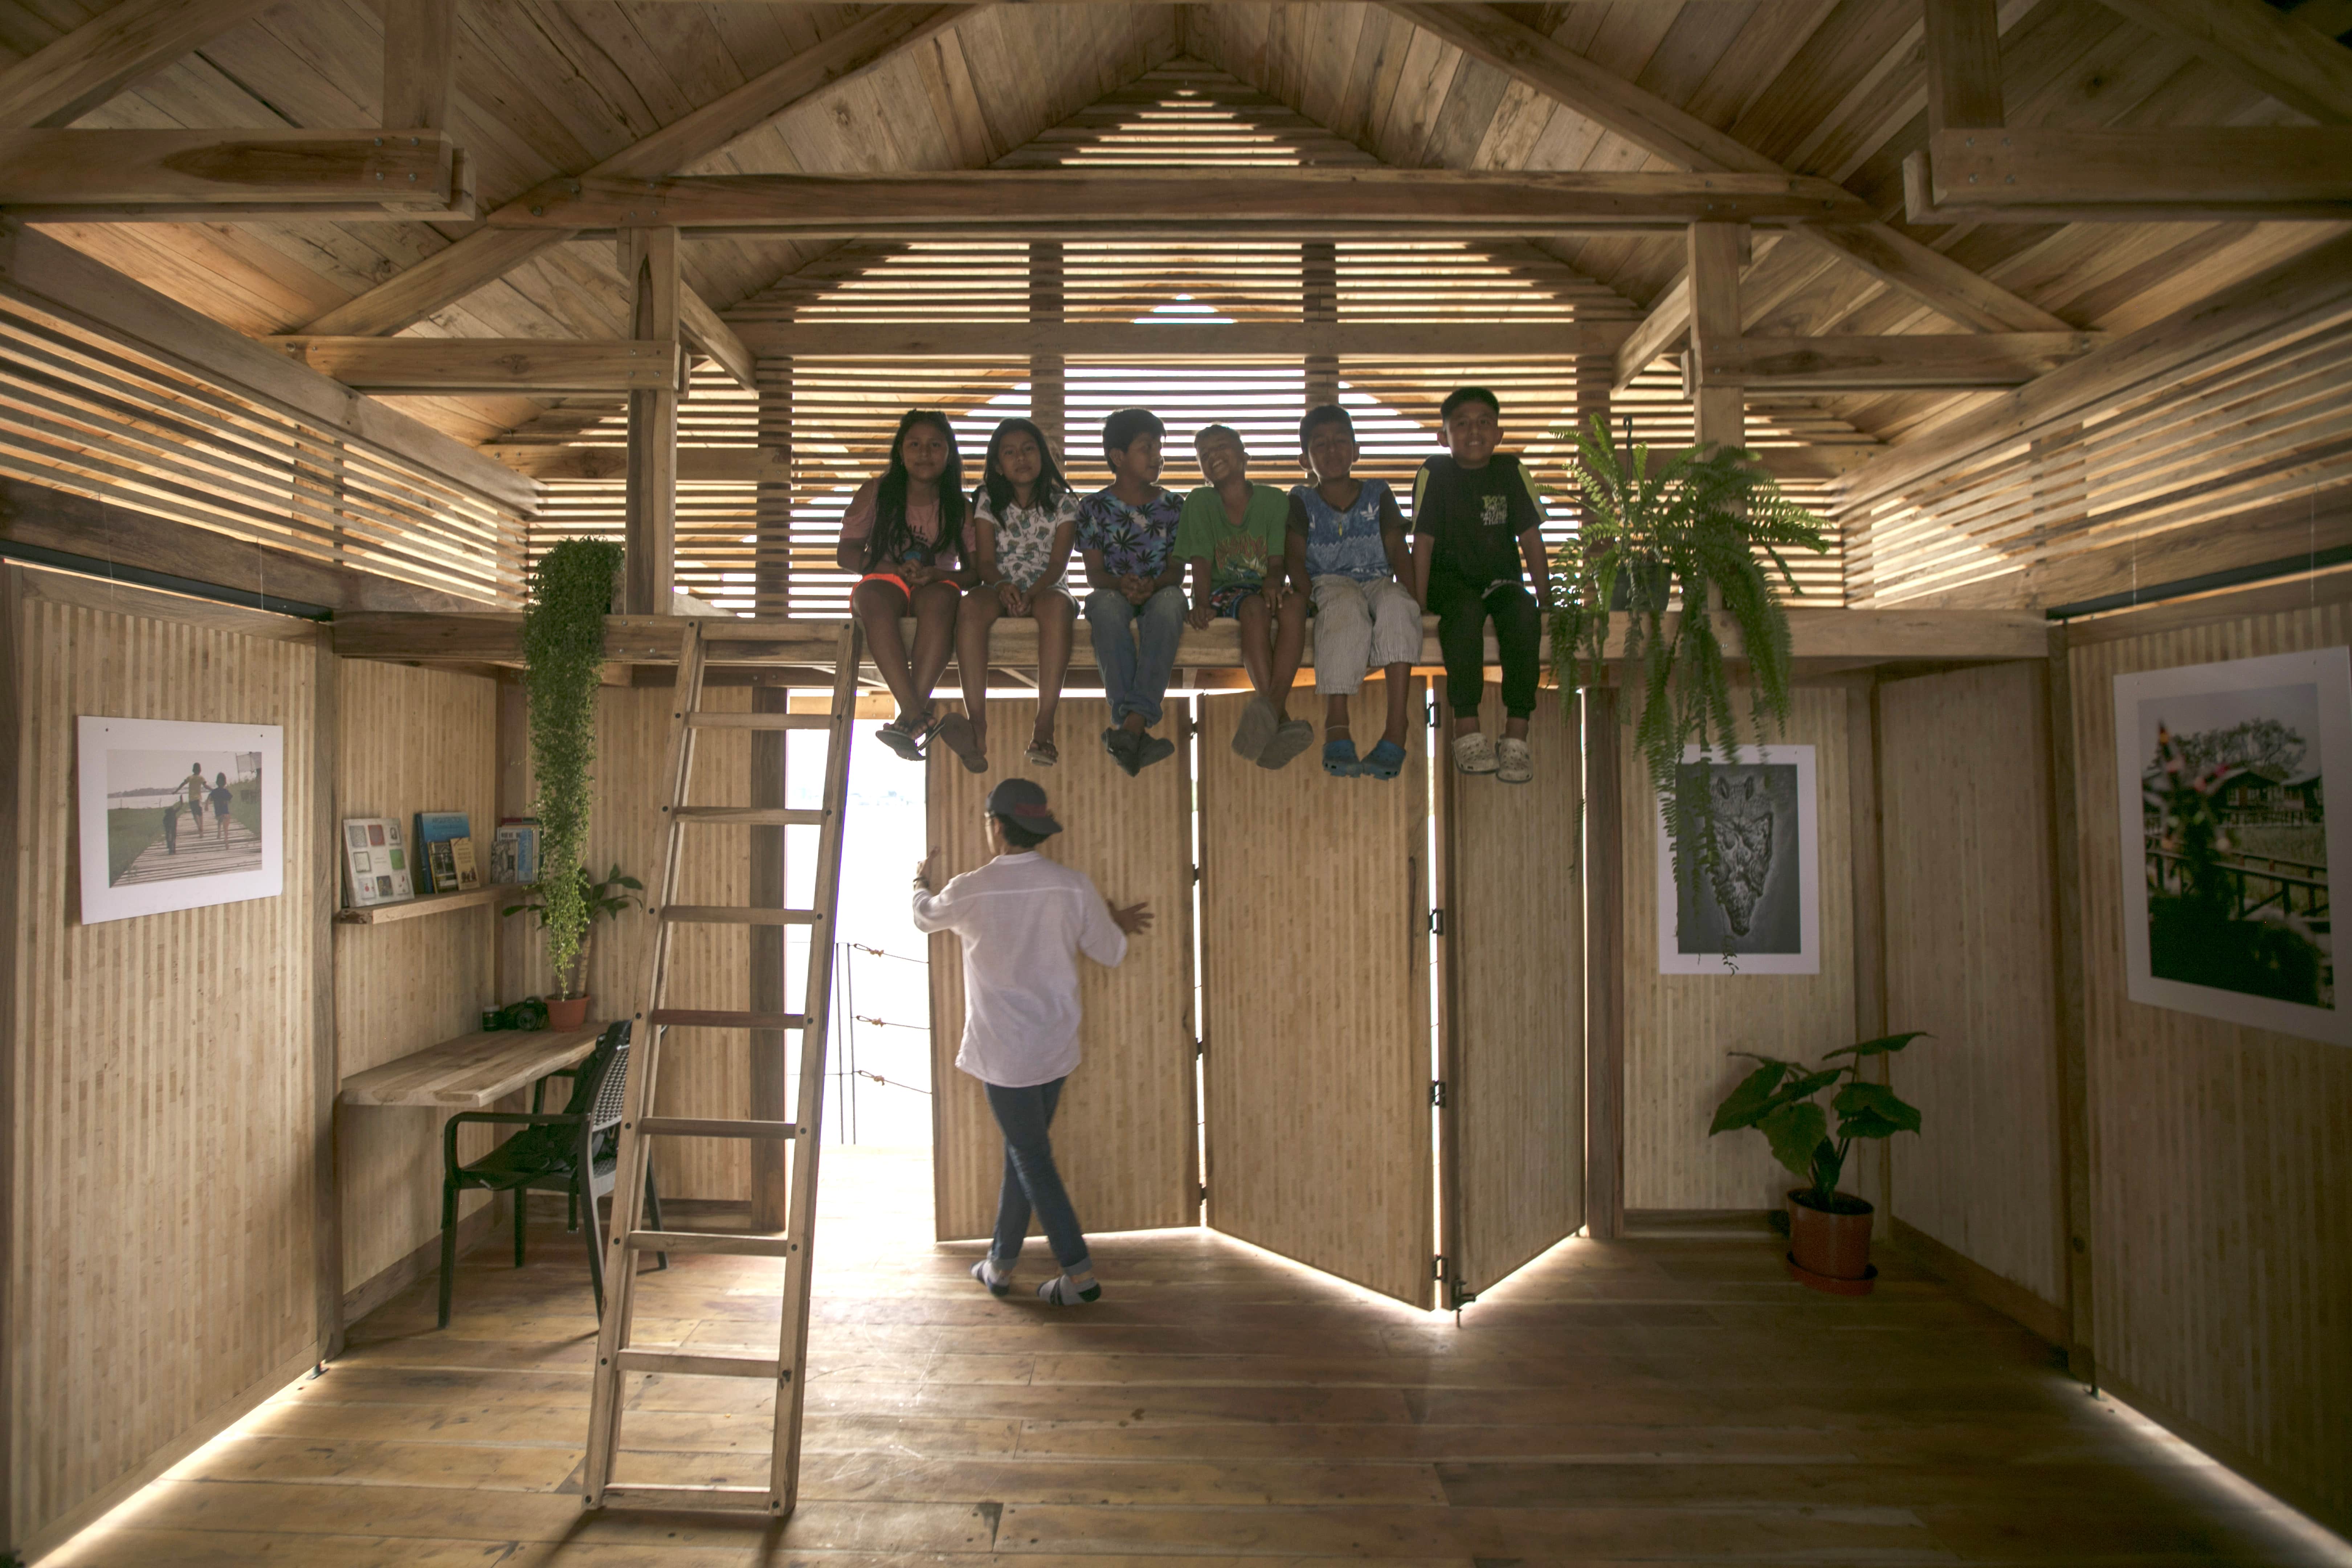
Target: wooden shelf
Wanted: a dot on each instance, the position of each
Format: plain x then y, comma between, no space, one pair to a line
425,904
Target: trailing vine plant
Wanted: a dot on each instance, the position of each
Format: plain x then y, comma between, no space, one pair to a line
1703,521
562,650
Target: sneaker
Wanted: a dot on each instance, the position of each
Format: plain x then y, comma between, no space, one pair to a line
1514,763
1150,749
1290,738
1256,731
1474,753
1001,1287
1059,1292
1119,742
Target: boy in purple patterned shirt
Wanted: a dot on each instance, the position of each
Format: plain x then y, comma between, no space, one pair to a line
1126,536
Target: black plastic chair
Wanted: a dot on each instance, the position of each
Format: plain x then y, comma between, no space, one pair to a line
574,1151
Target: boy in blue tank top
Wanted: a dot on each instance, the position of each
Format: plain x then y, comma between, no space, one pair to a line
1346,543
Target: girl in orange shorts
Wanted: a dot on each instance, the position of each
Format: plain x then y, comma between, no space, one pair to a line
902,534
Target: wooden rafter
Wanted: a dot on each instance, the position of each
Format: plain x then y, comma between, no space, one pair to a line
2235,173
429,366
2298,65
488,253
1669,132
1466,342
1963,362
40,169
420,61
57,84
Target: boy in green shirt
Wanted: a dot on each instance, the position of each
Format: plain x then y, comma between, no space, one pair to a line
1232,532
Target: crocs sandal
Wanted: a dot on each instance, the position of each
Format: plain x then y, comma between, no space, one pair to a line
1387,761
961,739
1514,763
1339,758
1474,753
1044,753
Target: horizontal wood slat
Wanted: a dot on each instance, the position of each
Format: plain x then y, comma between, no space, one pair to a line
682,1364
710,1127
708,1242
723,1018
752,815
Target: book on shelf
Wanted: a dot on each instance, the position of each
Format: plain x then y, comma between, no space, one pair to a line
375,863
437,828
443,863
514,851
461,857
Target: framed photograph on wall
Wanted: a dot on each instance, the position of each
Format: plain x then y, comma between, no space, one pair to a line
2228,848
1758,911
175,816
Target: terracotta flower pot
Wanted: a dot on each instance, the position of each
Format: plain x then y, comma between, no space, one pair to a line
1831,1251
571,1012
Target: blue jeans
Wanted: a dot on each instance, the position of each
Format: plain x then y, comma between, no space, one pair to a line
1029,1179
1135,667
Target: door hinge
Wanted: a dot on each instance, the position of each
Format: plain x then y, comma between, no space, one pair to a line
1204,1193
1437,1092
1437,1267
1196,873
1437,922
1201,1047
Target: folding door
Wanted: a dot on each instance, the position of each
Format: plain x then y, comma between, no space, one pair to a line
1511,1010
1124,1135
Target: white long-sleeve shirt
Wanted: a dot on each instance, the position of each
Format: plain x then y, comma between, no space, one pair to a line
1023,921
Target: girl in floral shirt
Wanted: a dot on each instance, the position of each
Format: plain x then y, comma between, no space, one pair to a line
1023,518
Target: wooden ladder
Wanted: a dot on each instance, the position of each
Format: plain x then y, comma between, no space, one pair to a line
615,1355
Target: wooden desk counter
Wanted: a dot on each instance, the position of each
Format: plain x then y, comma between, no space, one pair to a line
474,1072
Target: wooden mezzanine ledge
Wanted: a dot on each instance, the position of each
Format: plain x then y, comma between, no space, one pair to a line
1823,639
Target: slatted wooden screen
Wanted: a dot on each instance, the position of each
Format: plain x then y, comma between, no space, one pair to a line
1511,1007
1314,986
1123,1137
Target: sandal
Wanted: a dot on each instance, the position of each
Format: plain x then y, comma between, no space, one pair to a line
1044,753
901,738
1515,762
1340,758
961,739
1387,761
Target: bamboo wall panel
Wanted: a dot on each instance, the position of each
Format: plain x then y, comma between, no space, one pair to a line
1514,1012
1124,1137
1964,768
165,1196
411,740
1678,1028
2222,1175
705,1072
1314,986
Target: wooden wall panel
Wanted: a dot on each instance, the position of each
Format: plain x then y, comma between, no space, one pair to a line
2221,1172
1314,986
1125,1137
1964,765
705,1072
162,1190
1513,962
1678,1028
411,740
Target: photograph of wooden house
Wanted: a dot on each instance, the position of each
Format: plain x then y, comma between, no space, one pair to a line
1066,637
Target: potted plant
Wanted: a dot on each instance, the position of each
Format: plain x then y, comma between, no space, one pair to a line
563,652
569,1008
1703,523
1829,1231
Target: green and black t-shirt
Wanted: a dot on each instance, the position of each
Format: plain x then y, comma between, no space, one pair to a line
1477,516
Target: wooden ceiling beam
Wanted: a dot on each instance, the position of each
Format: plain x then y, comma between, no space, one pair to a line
420,61
715,340
2237,174
429,366
1963,46
972,202
488,253
1670,132
1465,342
127,169
2297,64
1962,362
65,79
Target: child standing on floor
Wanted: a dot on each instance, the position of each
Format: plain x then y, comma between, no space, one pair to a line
1024,519
1477,540
1234,532
1127,534
1024,920
1347,540
901,534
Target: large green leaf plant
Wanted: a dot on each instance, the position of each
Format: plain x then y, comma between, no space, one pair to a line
1694,524
563,652
1781,1100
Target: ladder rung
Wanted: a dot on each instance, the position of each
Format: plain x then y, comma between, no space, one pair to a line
685,1364
738,915
756,815
760,720
710,1018
706,1127
709,1241
658,1494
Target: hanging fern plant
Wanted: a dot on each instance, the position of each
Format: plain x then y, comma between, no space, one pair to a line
1704,521
563,650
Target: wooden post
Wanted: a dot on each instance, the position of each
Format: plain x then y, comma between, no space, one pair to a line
2072,1021
649,261
326,1057
13,764
510,977
1718,402
1963,39
1049,381
1604,971
420,61
1869,862
1319,286
770,1083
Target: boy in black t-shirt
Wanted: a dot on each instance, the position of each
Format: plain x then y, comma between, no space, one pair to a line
1476,541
